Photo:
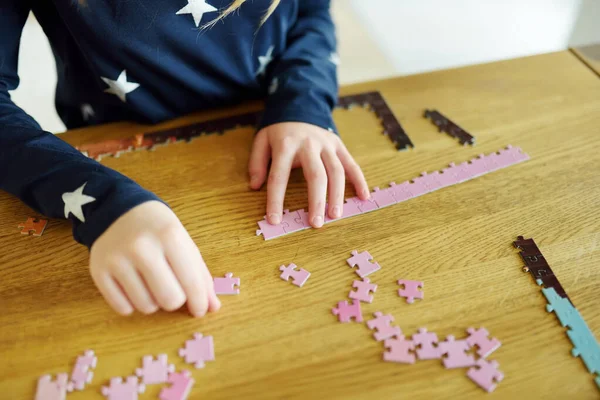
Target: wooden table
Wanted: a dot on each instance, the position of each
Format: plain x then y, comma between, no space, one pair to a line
275,340
589,55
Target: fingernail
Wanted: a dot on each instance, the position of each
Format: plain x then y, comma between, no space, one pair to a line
317,221
274,218
337,211
366,193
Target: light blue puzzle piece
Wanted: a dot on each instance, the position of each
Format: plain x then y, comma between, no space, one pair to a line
564,310
586,348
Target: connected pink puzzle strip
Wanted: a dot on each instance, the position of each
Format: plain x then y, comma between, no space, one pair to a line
425,183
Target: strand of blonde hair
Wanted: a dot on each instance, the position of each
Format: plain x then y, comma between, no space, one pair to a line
236,4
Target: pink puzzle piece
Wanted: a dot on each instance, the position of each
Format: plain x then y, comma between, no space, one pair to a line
345,311
350,208
302,219
382,323
181,385
485,374
365,267
299,276
383,198
270,231
456,353
119,390
430,181
399,350
154,371
227,285
198,350
480,338
293,222
411,290
365,205
363,290
48,389
477,166
426,340
417,187
81,374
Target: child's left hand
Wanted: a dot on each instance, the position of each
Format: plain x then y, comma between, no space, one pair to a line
325,162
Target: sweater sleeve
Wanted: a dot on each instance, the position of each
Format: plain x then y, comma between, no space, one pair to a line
303,80
42,170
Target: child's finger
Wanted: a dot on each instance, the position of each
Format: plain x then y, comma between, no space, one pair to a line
113,294
137,292
316,177
259,160
278,179
160,279
336,182
354,173
186,263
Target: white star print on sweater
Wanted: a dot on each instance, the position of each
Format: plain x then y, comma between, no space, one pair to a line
264,61
120,87
197,8
74,201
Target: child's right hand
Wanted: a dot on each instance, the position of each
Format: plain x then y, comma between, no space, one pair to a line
146,260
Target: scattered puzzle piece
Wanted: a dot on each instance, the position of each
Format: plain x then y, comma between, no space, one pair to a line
365,266
399,350
299,276
48,389
479,338
345,311
382,323
81,374
363,290
181,385
411,290
227,285
485,373
456,352
425,342
119,390
154,371
35,226
198,350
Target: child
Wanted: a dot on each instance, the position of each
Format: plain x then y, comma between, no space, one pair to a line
154,60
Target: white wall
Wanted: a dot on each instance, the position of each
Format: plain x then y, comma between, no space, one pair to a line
423,35
379,38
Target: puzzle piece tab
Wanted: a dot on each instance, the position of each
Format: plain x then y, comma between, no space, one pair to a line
365,266
299,276
181,385
227,285
485,374
48,389
399,350
363,290
425,342
123,390
456,353
382,323
35,226
198,350
480,338
154,371
411,290
81,374
345,311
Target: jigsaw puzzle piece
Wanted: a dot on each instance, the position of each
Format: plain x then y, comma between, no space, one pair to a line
198,350
299,276
293,221
48,389
227,285
270,231
81,374
399,350
411,290
480,338
425,345
350,208
585,347
383,198
345,312
382,324
123,390
365,205
365,266
363,290
35,226
181,386
431,181
485,374
154,371
456,353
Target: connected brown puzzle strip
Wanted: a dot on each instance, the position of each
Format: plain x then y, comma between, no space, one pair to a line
373,100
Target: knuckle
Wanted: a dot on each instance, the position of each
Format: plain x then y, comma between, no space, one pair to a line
287,143
311,144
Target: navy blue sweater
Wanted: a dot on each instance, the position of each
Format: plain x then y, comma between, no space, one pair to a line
148,61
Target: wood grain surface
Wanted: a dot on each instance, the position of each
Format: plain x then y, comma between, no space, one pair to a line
277,341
